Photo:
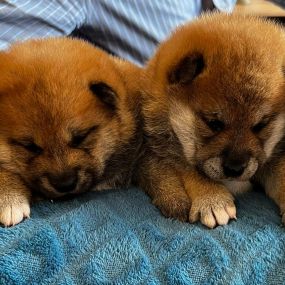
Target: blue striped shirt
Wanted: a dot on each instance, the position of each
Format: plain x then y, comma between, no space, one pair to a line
128,28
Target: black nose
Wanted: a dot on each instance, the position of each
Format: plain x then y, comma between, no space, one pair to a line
233,169
234,164
64,182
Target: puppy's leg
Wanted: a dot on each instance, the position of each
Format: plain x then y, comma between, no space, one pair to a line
165,187
273,180
14,199
212,203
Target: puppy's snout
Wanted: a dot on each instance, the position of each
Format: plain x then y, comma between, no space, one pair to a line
64,182
234,169
234,164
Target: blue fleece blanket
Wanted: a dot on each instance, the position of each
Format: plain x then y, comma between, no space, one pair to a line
118,237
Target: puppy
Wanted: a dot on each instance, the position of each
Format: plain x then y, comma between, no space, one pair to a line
68,123
214,117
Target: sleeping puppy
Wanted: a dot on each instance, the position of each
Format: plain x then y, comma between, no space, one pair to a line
214,117
68,123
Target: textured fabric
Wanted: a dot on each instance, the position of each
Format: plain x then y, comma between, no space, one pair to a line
118,237
128,28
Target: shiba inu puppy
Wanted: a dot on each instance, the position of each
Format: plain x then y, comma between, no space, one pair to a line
214,117
67,122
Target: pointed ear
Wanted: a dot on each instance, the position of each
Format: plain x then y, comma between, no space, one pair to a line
187,69
105,94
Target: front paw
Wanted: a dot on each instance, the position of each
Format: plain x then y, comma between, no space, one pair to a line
13,213
213,209
176,207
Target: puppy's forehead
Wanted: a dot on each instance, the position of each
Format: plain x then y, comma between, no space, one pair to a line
66,60
48,81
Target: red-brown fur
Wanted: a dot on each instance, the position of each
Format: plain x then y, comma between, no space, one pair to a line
54,127
220,70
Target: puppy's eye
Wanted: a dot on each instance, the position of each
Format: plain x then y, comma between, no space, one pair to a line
215,125
78,140
260,126
29,146
80,137
33,148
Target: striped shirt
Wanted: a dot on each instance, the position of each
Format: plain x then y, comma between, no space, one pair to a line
128,28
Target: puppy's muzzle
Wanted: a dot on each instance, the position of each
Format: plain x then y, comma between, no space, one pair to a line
64,182
239,167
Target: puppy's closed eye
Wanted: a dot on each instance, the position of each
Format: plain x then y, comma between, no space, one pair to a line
262,124
28,145
80,136
259,126
215,124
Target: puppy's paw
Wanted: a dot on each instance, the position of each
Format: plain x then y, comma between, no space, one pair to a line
13,213
213,210
176,207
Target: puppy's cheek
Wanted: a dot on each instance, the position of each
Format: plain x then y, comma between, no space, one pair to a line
250,170
277,134
189,149
99,158
213,168
5,153
105,147
86,179
45,187
182,121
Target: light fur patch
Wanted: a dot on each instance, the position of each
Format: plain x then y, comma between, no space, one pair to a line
182,122
102,186
277,134
214,169
5,153
107,185
237,187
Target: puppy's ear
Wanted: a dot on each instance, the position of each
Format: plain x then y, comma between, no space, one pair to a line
105,93
187,69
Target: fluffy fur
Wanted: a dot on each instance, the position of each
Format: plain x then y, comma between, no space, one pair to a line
214,117
69,122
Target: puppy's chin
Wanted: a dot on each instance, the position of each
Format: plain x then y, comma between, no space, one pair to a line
213,169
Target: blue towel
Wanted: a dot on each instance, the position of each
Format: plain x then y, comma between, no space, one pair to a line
118,237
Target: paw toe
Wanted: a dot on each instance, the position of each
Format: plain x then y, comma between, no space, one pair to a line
193,216
208,220
13,214
221,215
232,211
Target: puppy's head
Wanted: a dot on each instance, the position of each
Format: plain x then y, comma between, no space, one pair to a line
220,82
64,114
